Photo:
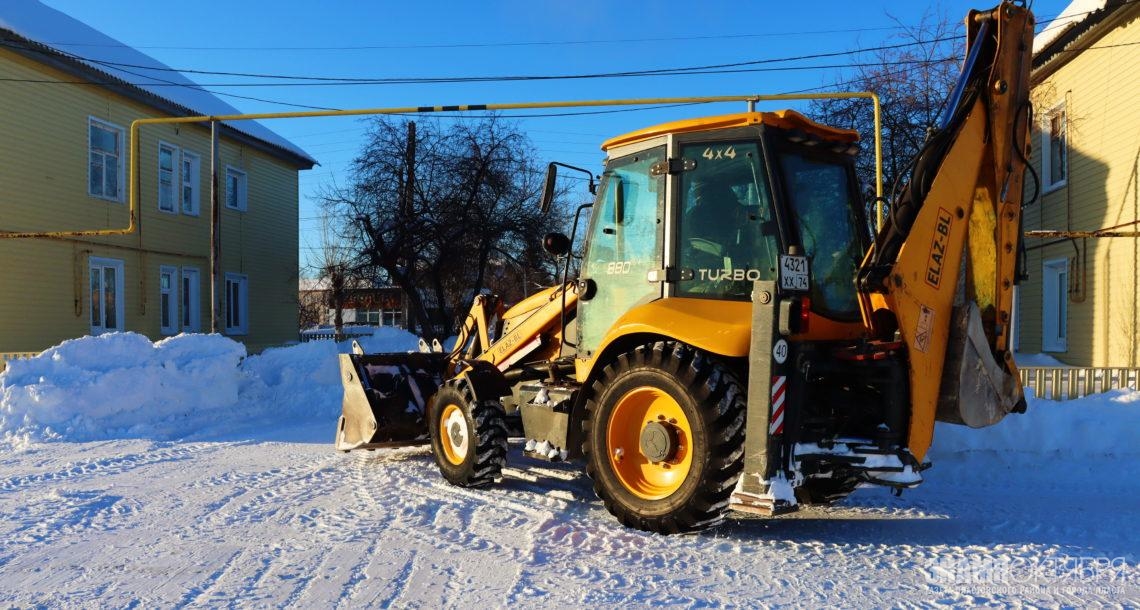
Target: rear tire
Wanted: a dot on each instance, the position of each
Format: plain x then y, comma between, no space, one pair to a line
664,437
468,436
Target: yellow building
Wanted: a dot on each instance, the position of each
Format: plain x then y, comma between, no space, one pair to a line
1079,303
64,163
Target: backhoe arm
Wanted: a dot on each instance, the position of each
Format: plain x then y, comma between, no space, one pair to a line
943,266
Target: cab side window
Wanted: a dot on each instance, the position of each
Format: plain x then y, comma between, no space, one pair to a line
626,228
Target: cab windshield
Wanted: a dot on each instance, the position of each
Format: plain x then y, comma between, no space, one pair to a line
824,214
727,233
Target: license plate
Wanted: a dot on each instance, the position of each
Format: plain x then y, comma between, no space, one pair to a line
793,272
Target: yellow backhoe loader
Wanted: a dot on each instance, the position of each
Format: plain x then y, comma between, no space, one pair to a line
735,338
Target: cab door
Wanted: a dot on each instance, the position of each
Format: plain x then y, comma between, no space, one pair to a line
624,245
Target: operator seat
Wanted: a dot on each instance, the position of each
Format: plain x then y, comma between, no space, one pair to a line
711,223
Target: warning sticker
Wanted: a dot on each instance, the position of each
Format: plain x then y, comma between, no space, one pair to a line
925,324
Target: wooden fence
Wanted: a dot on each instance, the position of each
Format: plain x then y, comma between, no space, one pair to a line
338,337
1061,382
6,356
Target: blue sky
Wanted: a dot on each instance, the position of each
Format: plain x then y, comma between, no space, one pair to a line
337,38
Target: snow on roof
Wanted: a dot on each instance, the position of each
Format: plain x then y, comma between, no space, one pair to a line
46,26
1076,12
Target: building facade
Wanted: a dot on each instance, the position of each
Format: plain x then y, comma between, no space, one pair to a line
1079,302
65,155
360,306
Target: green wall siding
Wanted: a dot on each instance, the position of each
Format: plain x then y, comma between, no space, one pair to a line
1097,89
43,187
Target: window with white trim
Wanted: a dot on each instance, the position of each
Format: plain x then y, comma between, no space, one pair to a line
167,176
191,179
191,300
105,160
168,299
381,317
105,277
1055,305
1054,149
237,189
237,304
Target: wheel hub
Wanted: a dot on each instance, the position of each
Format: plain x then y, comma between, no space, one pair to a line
658,441
453,434
456,433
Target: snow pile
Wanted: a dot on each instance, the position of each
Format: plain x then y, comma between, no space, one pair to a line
1033,360
121,385
1093,426
204,387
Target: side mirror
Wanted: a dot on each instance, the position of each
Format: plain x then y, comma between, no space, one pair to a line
548,188
556,243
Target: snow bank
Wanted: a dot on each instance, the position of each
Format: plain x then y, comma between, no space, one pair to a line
1094,426
118,385
121,385
1031,360
204,387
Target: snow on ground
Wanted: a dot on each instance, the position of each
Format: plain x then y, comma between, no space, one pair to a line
1030,360
181,473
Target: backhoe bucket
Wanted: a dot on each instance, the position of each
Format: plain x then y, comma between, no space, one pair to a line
385,398
976,390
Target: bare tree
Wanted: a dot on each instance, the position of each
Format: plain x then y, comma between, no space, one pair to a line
440,210
913,83
334,267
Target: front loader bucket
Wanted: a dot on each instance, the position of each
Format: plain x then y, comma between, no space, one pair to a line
976,390
385,398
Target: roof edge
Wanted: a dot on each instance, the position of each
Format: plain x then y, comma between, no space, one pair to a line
782,119
49,56
1067,46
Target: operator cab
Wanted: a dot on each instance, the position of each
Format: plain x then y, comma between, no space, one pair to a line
700,209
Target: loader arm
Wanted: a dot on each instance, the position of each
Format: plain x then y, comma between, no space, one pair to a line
941,271
523,326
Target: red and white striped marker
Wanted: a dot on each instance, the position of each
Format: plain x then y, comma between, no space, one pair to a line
777,424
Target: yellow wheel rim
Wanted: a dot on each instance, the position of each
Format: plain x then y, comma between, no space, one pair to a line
640,476
453,434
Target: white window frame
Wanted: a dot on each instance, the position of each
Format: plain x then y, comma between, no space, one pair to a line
1047,182
191,300
240,283
170,307
171,206
241,198
120,159
97,264
1055,305
191,179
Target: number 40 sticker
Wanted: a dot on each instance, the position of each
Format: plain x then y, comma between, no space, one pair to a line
780,351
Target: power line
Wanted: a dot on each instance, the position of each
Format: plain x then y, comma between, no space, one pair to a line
727,68
1041,20
471,45
499,78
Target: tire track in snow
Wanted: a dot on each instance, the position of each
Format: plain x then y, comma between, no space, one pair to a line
106,466
450,525
199,594
41,521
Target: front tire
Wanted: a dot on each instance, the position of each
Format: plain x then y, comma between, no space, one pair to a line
468,436
664,437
